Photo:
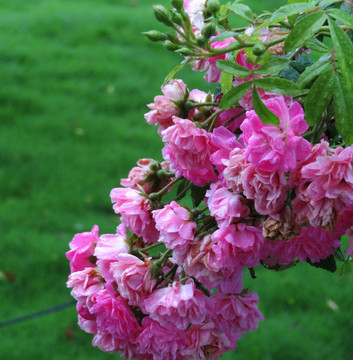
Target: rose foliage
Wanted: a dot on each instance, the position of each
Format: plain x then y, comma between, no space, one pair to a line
258,172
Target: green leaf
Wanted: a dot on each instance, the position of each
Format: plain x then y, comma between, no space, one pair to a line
301,63
344,52
278,86
272,67
328,2
288,10
316,45
226,82
304,30
171,75
341,16
265,115
233,68
343,105
234,95
313,71
243,11
328,264
198,194
319,97
224,35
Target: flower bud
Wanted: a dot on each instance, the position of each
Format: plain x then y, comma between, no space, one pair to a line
171,46
162,14
209,30
155,35
185,51
213,6
177,18
178,4
259,49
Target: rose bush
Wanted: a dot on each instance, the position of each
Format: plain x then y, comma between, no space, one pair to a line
257,173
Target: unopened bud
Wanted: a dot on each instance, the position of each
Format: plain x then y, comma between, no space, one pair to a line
209,30
185,51
155,271
171,46
178,4
177,18
259,49
162,14
201,41
155,35
213,6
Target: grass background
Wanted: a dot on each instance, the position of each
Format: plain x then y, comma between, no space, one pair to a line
75,80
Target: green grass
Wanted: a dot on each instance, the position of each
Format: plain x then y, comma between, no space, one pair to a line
75,80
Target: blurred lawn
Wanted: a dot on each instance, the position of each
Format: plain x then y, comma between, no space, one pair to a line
75,80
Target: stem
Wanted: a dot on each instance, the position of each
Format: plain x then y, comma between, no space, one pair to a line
211,120
191,105
163,258
234,117
182,194
172,271
154,196
147,247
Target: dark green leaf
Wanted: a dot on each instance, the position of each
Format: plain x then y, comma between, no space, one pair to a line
319,97
313,71
234,95
304,30
342,16
233,68
328,264
278,85
344,52
226,82
198,194
343,104
171,75
301,63
328,2
243,11
272,67
265,115
290,74
292,9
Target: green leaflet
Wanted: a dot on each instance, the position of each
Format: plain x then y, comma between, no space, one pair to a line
304,30
343,105
233,68
243,11
319,97
328,2
342,16
278,86
171,75
226,82
316,45
344,52
313,71
288,10
265,115
233,96
273,67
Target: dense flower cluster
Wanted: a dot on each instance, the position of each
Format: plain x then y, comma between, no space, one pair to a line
169,283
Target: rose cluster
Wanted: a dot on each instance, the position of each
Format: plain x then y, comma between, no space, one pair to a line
231,193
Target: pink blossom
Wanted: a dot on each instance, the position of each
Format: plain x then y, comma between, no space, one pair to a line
174,224
177,305
109,246
227,207
161,342
164,107
236,312
194,8
108,343
228,115
234,167
114,316
133,277
135,212
189,150
267,189
325,188
314,244
85,285
271,147
236,246
82,248
232,283
86,320
206,341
